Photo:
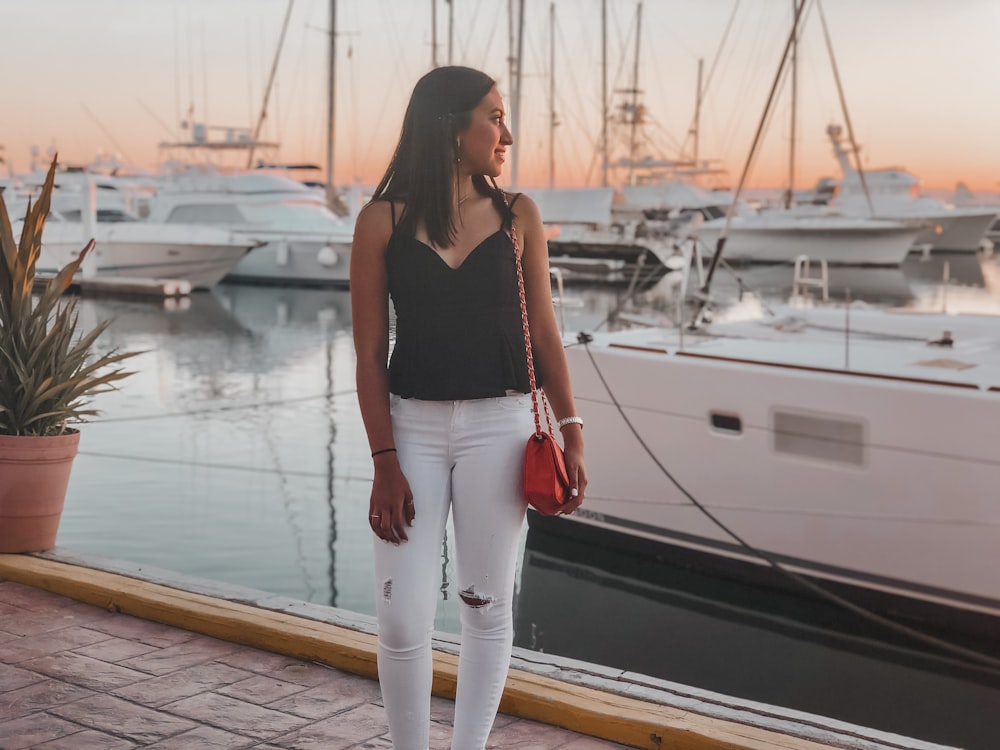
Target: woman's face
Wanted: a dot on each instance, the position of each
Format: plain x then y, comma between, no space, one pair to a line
483,145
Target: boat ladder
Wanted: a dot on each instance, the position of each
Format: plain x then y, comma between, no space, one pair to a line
803,278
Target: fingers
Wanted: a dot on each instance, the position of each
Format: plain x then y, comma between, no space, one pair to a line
578,487
409,511
389,524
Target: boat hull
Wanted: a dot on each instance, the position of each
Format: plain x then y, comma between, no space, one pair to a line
961,232
907,510
837,245
198,255
299,261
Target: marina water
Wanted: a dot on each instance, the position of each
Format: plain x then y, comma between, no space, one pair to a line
237,453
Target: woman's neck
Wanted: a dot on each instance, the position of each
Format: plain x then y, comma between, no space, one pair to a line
464,191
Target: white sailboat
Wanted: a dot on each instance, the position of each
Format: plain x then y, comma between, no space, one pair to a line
855,447
847,447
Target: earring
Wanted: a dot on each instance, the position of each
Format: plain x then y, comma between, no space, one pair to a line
458,150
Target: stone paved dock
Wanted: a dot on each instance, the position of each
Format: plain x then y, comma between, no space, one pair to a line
101,654
74,676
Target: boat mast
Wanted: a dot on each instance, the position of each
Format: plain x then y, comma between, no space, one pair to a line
552,96
434,33
633,134
696,125
604,93
451,29
795,88
331,100
516,57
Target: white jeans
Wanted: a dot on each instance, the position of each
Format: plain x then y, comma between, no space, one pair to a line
467,456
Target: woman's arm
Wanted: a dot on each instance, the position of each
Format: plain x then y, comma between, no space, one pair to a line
546,340
391,506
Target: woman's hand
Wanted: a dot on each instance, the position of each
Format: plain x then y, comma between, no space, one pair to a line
573,455
391,509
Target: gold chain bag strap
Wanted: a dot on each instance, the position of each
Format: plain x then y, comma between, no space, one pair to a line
546,481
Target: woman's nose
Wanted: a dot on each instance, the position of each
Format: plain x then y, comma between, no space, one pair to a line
505,137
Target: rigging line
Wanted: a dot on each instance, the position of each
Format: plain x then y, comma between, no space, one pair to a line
569,119
968,653
107,133
715,61
843,108
230,407
204,464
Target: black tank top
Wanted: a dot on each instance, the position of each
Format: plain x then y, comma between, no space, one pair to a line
458,330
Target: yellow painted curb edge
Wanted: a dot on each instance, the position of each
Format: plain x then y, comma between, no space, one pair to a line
609,716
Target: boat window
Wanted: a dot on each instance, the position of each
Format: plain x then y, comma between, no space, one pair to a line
207,213
728,423
305,215
104,216
813,436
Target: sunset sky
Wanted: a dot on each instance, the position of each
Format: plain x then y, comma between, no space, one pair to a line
921,77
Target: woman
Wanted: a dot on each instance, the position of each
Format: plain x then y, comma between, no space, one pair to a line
448,419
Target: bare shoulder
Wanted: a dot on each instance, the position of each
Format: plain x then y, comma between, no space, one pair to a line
373,226
376,215
525,209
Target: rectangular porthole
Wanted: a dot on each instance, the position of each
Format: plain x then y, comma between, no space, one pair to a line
727,423
841,441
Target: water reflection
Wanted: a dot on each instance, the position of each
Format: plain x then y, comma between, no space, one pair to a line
588,603
222,457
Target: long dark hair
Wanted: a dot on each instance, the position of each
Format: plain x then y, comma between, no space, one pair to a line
422,172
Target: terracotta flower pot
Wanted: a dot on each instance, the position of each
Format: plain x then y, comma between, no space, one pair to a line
34,475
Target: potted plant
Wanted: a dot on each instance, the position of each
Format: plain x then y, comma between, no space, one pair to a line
48,375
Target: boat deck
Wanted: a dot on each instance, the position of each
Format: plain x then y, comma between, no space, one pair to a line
951,350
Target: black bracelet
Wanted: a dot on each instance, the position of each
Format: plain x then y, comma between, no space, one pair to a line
384,450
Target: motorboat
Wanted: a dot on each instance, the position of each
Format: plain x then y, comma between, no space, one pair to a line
128,247
202,256
893,193
849,446
298,239
87,205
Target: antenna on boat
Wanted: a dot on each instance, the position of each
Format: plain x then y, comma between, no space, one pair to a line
723,235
